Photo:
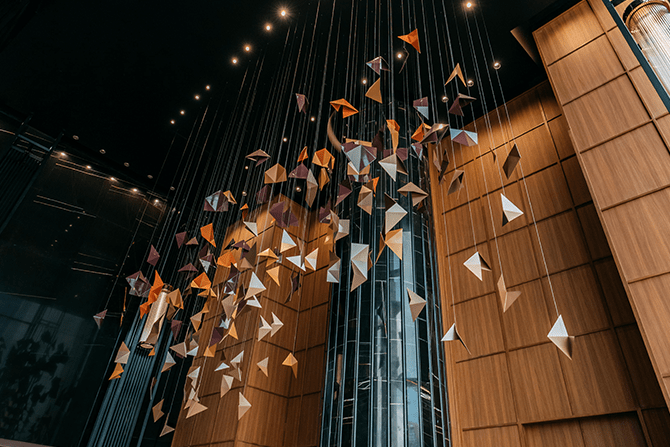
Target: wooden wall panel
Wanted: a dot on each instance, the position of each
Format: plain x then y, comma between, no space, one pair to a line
613,431
493,437
557,434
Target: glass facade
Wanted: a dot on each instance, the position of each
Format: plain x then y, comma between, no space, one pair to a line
384,383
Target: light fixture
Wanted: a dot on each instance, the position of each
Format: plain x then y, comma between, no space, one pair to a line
244,193
234,60
445,98
207,87
285,139
75,137
471,82
62,154
298,188
156,201
268,27
468,5
171,188
150,177
88,166
112,179
171,121
126,164
182,112
197,97
246,167
283,13
496,65
312,119
103,152
134,189
399,55
247,48
365,81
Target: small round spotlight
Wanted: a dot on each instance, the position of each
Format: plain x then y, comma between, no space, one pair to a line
399,55
182,112
285,140
283,13
207,87
247,48
298,188
197,97
112,179
234,60
126,164
471,82
365,81
246,168
468,5
268,27
171,121
445,98
88,167
62,154
244,193
75,137
312,119
134,189
496,65
103,152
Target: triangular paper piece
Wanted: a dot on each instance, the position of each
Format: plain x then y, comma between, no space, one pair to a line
180,237
463,137
293,363
123,354
390,165
347,109
232,331
268,253
324,159
310,259
255,286
394,129
476,264
252,227
312,188
287,242
221,366
166,430
118,369
207,233
457,72
276,174
559,336
378,64
188,268
510,211
226,384
421,106
258,156
153,256
394,242
460,102
412,39
418,195
416,304
507,297
333,272
300,172
276,324
169,362
242,407
302,102
393,216
194,409
453,335
239,358
179,349
511,161
456,183
343,191
264,329
274,274
201,282
192,241
359,264
324,178
157,411
245,211
216,202
303,155
297,261
263,365
99,317
374,92
382,246
253,302
365,199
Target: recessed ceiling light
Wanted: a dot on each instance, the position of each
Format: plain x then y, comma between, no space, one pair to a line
103,152
247,48
75,137
471,82
234,60
496,65
283,13
207,87
171,121
150,176
298,188
468,5
312,119
88,166
112,179
445,98
171,188
197,97
365,81
399,55
268,27
182,112
285,139
62,154
126,164
246,167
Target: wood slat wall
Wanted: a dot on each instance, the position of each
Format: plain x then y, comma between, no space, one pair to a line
285,411
621,130
517,389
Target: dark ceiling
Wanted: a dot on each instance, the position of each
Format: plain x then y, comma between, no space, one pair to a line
116,73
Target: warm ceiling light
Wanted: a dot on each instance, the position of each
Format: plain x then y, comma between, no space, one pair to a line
156,201
283,13
182,112
471,82
247,48
468,5
244,193
268,27
112,179
496,65
134,189
103,152
150,177
126,164
312,119
399,55
234,60
75,137
88,167
298,188
207,87
62,154
285,139
246,167
197,96
445,98
171,121
365,81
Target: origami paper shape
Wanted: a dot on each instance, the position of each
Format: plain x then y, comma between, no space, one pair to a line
188,268
559,336
274,274
302,102
333,272
418,195
453,335
297,261
303,155
375,92
221,366
253,302
435,134
255,286
118,369
420,132
166,430
510,211
312,188
259,156
99,317
323,178
324,159
169,363
394,241
201,282
463,137
153,256
239,358
394,214
456,183
343,191
418,149
299,172
216,202
207,232
195,408
252,227
263,365
196,320
359,154
276,174
412,39
476,264
311,258
264,328
421,106
292,362
156,411
359,264
457,72
511,161
180,237
507,297
390,165
232,331
242,407
192,241
394,129
460,102
217,336
347,109
263,195
378,64
229,197
416,304
276,324
175,327
245,211
226,384
382,246
174,298
123,354
287,242
365,199
179,349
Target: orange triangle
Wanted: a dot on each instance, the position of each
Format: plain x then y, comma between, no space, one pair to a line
412,39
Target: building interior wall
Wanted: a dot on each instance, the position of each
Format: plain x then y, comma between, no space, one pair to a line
286,411
516,388
621,131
